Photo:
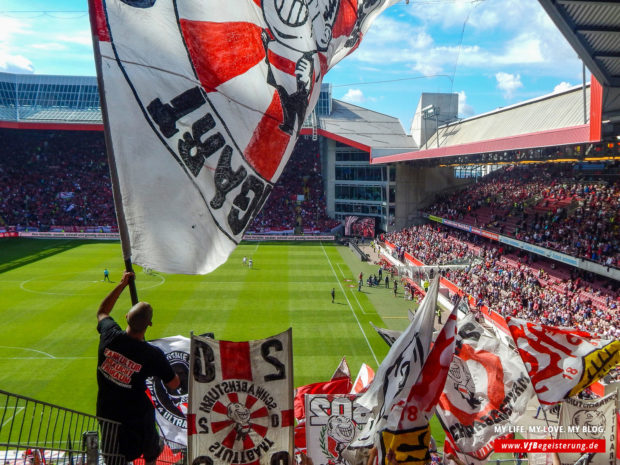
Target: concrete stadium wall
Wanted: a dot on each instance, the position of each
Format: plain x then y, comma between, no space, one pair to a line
417,187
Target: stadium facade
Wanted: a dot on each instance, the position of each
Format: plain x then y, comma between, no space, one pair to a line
370,166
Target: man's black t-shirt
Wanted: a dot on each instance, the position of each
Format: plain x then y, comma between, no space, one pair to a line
123,365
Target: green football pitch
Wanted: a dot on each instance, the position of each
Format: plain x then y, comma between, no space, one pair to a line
50,291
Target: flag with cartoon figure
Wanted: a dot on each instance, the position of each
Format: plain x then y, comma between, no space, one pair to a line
241,401
332,423
562,362
203,101
590,420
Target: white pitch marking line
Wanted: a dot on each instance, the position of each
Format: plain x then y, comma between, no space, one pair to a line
350,306
18,409
28,349
23,288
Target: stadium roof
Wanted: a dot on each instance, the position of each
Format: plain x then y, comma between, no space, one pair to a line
593,30
364,129
27,99
550,120
72,102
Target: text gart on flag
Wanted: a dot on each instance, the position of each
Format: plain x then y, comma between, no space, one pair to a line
240,401
203,101
562,362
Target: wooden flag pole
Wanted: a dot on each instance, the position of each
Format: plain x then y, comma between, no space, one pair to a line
116,191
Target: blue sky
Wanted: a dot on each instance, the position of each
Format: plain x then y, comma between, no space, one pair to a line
492,52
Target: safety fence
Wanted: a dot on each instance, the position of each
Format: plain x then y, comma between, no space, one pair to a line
39,433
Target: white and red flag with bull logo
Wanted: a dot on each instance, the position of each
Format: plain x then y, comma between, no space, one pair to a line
562,362
487,389
203,101
241,401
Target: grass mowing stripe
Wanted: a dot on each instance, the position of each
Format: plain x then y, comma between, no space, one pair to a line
350,306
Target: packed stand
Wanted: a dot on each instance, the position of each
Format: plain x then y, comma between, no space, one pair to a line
297,201
514,285
61,178
550,205
50,178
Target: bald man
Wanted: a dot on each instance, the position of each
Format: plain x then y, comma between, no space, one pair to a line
125,360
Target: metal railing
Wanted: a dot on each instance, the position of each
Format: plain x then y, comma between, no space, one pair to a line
39,433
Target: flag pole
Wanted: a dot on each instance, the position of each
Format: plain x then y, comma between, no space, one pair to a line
116,191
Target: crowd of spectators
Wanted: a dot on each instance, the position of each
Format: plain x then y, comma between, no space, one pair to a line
61,178
50,178
297,201
515,285
551,205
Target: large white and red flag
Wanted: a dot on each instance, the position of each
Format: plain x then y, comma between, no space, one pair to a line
203,101
171,406
407,433
487,389
562,362
399,370
241,401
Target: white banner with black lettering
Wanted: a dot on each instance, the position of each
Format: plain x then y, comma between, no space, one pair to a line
241,401
332,423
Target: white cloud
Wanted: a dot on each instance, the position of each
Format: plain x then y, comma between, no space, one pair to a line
508,83
49,46
465,110
492,38
15,63
354,96
83,37
10,60
11,26
562,86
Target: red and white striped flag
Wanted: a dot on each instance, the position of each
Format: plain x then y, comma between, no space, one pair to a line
241,401
363,380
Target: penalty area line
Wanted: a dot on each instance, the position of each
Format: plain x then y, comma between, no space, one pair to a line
348,302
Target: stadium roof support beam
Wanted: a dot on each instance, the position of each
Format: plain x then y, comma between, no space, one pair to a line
576,19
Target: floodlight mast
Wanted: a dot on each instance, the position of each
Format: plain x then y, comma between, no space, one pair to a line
431,111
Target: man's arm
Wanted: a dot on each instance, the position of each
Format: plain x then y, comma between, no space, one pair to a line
108,303
174,383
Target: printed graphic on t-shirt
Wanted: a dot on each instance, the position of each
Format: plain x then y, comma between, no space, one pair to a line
118,368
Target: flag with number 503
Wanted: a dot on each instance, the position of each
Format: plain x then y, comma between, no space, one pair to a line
241,401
